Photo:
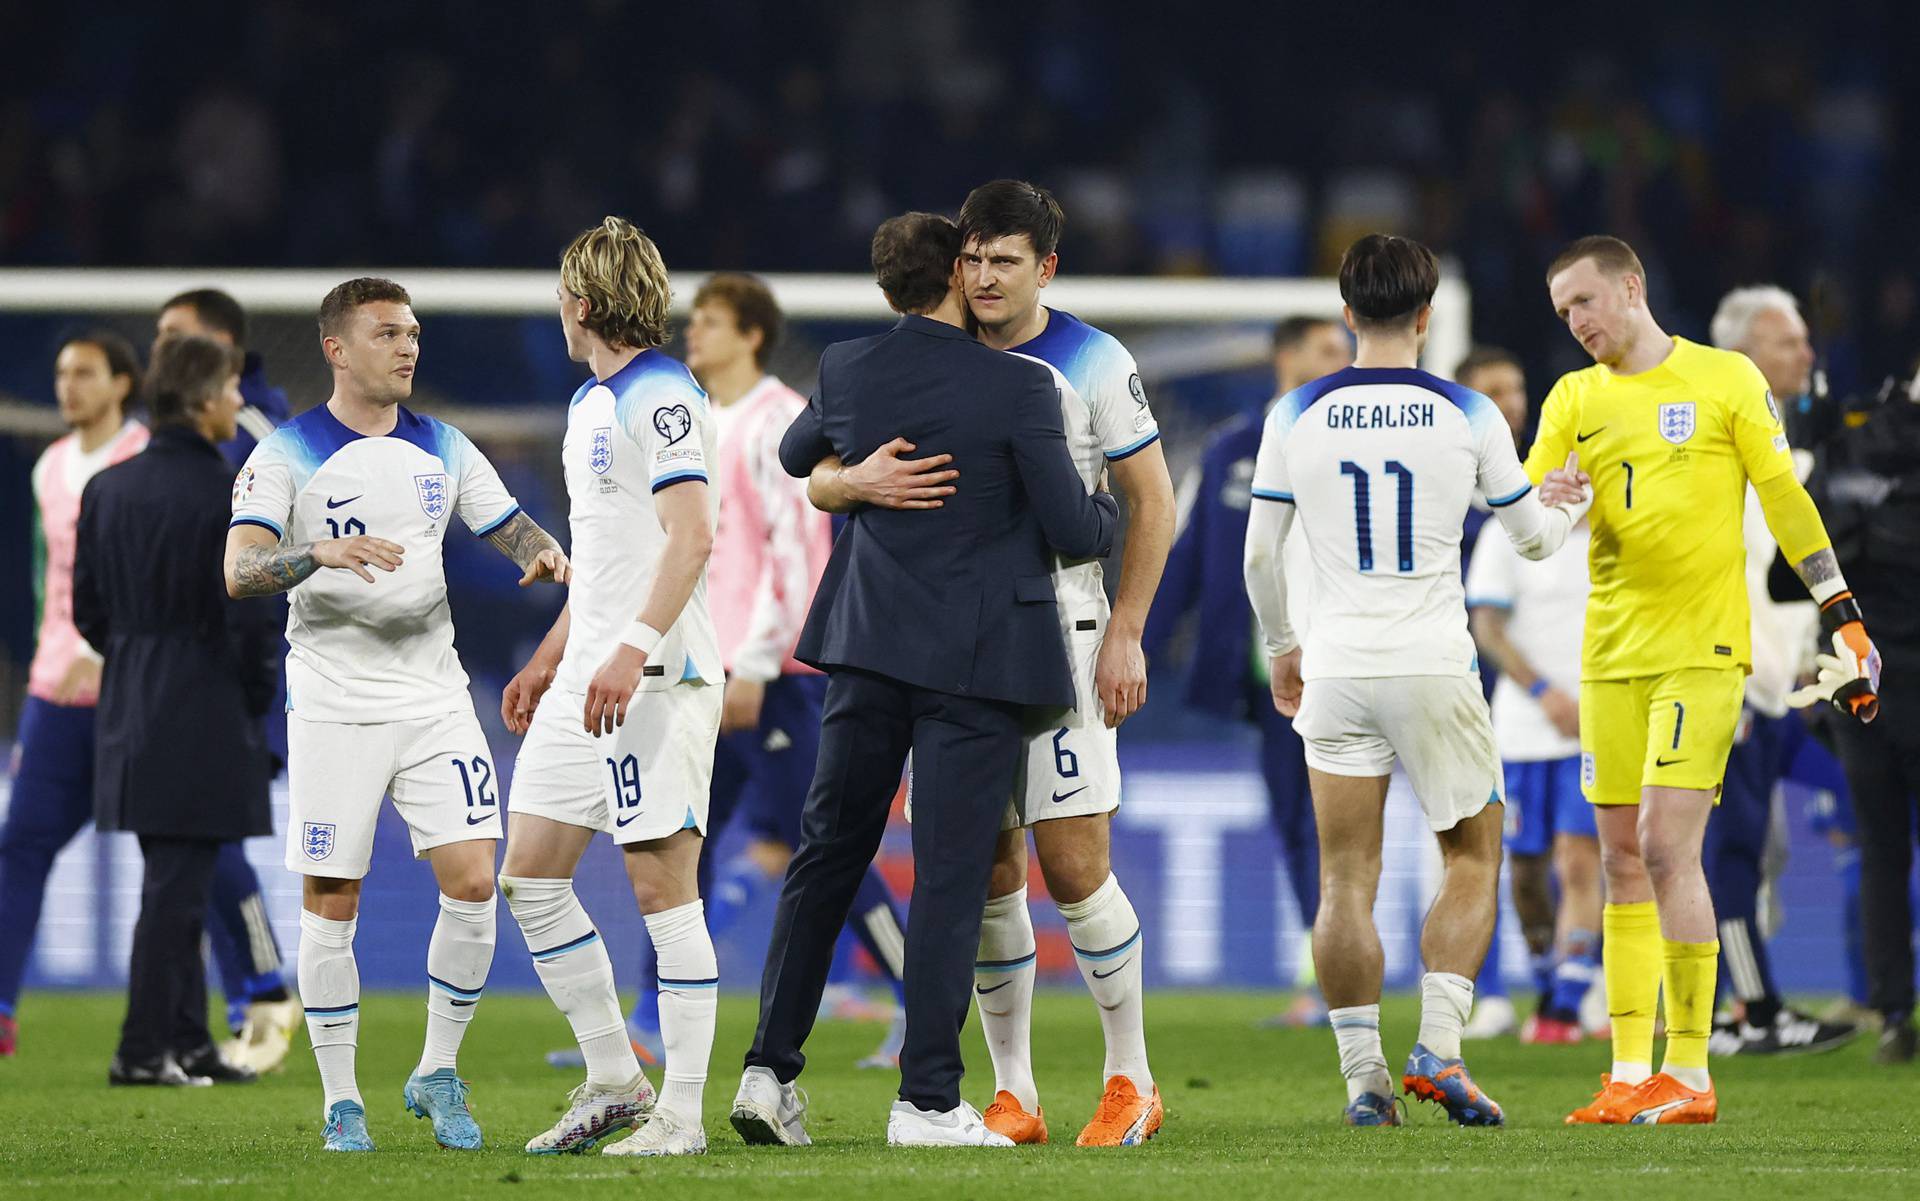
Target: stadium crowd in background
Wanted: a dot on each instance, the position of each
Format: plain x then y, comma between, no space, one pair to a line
1779,144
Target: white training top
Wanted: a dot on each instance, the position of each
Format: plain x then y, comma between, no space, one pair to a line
1381,464
379,652
1546,605
646,427
1103,409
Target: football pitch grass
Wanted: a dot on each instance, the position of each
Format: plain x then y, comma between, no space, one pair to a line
1250,1113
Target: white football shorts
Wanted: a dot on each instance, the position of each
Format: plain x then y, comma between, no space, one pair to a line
1435,726
437,769
1072,764
652,776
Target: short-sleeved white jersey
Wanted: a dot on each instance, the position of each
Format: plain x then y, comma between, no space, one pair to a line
1103,408
646,427
379,652
1381,464
1546,605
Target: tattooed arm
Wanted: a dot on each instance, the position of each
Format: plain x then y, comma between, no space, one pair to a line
258,565
533,550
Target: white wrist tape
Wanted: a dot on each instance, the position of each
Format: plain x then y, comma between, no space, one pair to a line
642,637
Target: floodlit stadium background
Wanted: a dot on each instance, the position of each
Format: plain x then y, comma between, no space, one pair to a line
1217,153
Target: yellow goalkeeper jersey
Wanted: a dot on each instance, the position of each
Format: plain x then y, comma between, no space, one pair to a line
1670,451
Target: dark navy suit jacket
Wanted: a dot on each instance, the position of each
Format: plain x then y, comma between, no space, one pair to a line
957,599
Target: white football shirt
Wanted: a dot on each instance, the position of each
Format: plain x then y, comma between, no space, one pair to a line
646,427
1103,408
1381,464
1546,605
379,652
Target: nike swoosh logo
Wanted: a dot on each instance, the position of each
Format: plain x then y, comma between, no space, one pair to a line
334,1025
1584,437
474,821
996,988
1061,796
334,504
1667,762
1100,975
460,1004
626,821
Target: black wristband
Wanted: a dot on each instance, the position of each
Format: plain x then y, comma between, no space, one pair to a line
1838,611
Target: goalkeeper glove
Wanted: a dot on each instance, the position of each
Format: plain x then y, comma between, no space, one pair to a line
1848,679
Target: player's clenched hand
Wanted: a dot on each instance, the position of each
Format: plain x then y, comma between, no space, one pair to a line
523,695
82,679
1562,710
1120,677
549,564
1283,672
1565,485
358,553
740,705
612,690
885,479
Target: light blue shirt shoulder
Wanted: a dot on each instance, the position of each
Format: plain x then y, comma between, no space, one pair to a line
1083,353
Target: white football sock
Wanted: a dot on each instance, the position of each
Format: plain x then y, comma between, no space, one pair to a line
457,961
689,978
330,993
1698,1079
1108,945
1627,1072
573,967
1445,1001
1003,987
1356,1028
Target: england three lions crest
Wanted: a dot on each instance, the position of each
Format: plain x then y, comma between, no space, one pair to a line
316,839
1676,421
600,452
432,489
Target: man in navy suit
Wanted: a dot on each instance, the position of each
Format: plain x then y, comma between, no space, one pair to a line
937,628
1226,676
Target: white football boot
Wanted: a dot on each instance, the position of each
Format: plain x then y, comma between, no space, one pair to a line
593,1114
665,1133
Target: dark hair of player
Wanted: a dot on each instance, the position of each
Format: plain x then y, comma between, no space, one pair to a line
1610,254
913,257
1484,356
345,298
1292,331
186,374
1386,280
1007,207
216,309
751,303
122,358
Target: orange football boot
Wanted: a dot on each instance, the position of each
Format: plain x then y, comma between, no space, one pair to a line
1613,1105
1124,1118
1664,1101
1006,1117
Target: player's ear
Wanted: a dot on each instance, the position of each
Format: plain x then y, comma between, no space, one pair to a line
1421,320
1346,315
1048,266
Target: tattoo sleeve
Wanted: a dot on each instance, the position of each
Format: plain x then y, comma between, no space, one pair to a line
521,539
265,570
1817,568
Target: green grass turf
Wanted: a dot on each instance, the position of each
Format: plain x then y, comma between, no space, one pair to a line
1251,1112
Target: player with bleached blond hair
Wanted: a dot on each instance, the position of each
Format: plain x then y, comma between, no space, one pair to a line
621,703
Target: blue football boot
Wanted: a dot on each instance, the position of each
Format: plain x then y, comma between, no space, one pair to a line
346,1128
1432,1078
1372,1109
442,1096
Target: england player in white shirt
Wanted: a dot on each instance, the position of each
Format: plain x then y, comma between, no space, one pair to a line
1069,782
625,700
1381,461
376,699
